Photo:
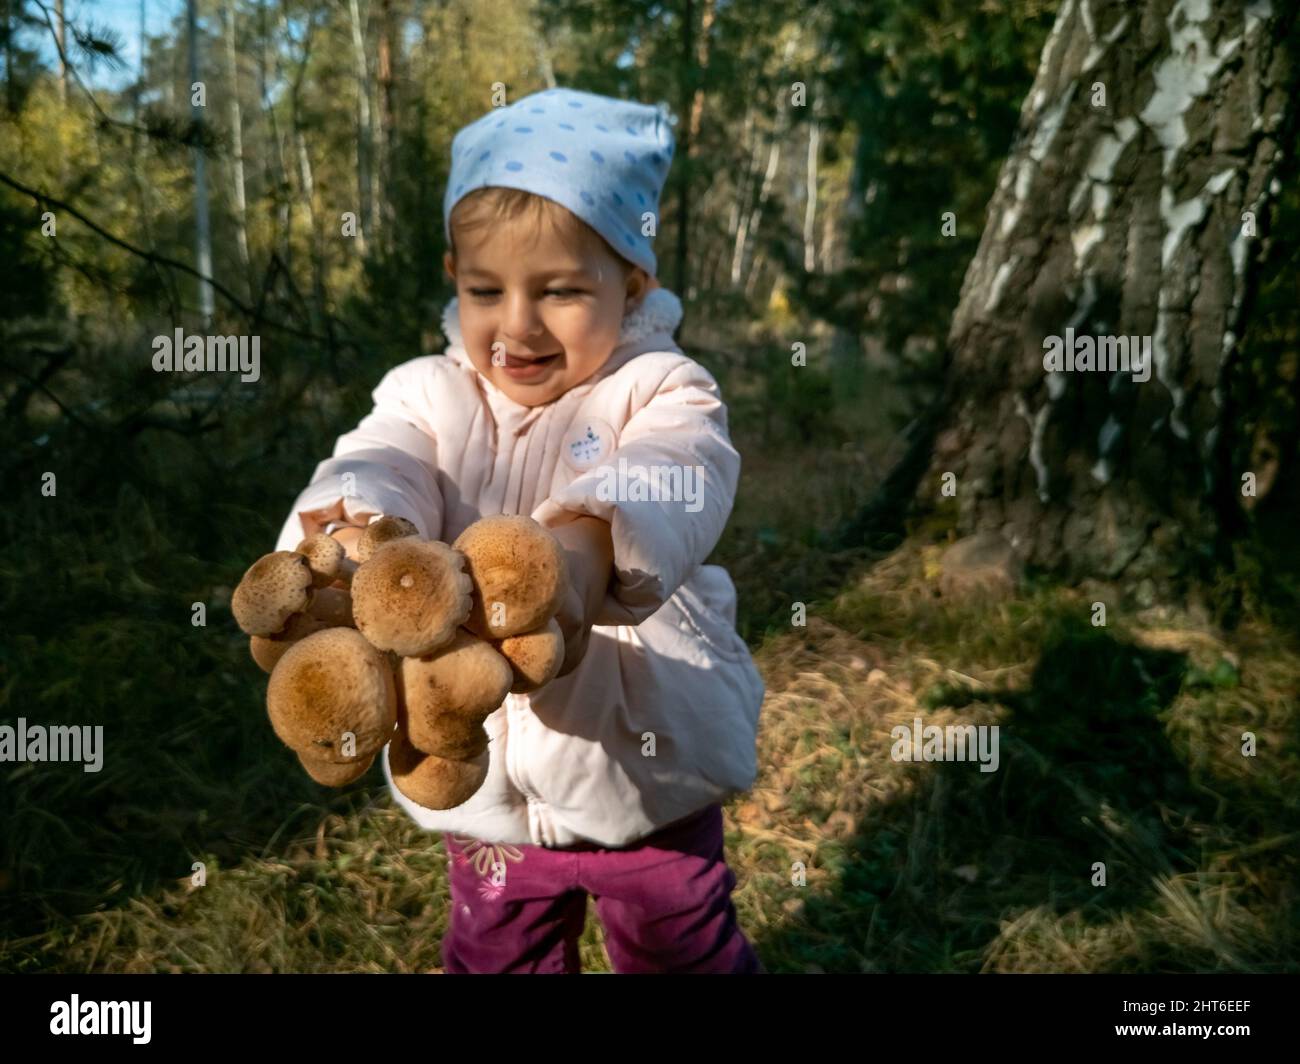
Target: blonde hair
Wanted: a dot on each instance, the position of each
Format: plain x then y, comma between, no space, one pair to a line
493,204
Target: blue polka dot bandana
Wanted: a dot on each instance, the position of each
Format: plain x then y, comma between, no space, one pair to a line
603,159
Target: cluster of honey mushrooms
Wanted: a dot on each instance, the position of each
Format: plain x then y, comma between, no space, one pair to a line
415,644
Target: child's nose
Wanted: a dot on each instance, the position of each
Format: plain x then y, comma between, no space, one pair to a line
521,318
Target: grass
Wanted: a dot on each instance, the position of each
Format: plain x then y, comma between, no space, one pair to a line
1119,746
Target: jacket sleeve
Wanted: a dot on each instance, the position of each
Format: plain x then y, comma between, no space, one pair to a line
666,490
386,465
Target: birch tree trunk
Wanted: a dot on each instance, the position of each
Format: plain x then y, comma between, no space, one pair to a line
365,133
544,63
1133,204
739,231
810,206
202,228
275,167
749,225
236,141
388,48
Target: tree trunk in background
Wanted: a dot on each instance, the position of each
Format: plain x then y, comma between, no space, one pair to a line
389,43
738,224
202,228
702,60
810,207
695,52
681,253
275,177
307,184
1119,220
749,225
365,134
544,64
236,142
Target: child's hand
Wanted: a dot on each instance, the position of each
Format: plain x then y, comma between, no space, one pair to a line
348,536
574,628
589,552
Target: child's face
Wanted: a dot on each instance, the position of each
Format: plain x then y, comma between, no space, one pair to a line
552,313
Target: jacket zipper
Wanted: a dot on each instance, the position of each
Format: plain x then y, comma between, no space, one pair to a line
513,770
516,777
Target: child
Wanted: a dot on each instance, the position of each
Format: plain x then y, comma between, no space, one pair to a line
562,396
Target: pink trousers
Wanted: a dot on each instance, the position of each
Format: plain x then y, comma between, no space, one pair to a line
664,902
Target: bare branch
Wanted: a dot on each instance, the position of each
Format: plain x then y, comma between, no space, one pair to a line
149,256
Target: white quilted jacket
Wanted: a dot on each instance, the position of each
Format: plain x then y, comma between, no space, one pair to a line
665,670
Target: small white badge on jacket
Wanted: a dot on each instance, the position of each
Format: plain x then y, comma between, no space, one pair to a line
589,442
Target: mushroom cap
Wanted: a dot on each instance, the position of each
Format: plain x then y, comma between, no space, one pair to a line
513,561
385,530
325,555
335,775
534,656
267,650
443,698
431,781
330,683
275,586
411,596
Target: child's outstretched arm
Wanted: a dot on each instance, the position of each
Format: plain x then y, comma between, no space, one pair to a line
677,438
386,465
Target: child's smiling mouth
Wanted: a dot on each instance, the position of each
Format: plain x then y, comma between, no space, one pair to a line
530,367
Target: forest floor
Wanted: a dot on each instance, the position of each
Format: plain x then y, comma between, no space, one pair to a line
1120,749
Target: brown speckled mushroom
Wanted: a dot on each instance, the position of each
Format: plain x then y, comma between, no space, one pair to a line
431,781
519,575
267,650
411,596
444,698
328,560
385,530
534,656
274,588
331,774
331,683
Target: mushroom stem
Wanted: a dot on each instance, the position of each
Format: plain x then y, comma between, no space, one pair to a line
534,656
383,531
444,698
267,650
333,607
328,560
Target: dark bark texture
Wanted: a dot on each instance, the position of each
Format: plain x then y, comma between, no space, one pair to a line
1146,157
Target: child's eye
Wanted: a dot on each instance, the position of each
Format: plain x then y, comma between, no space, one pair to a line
489,293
